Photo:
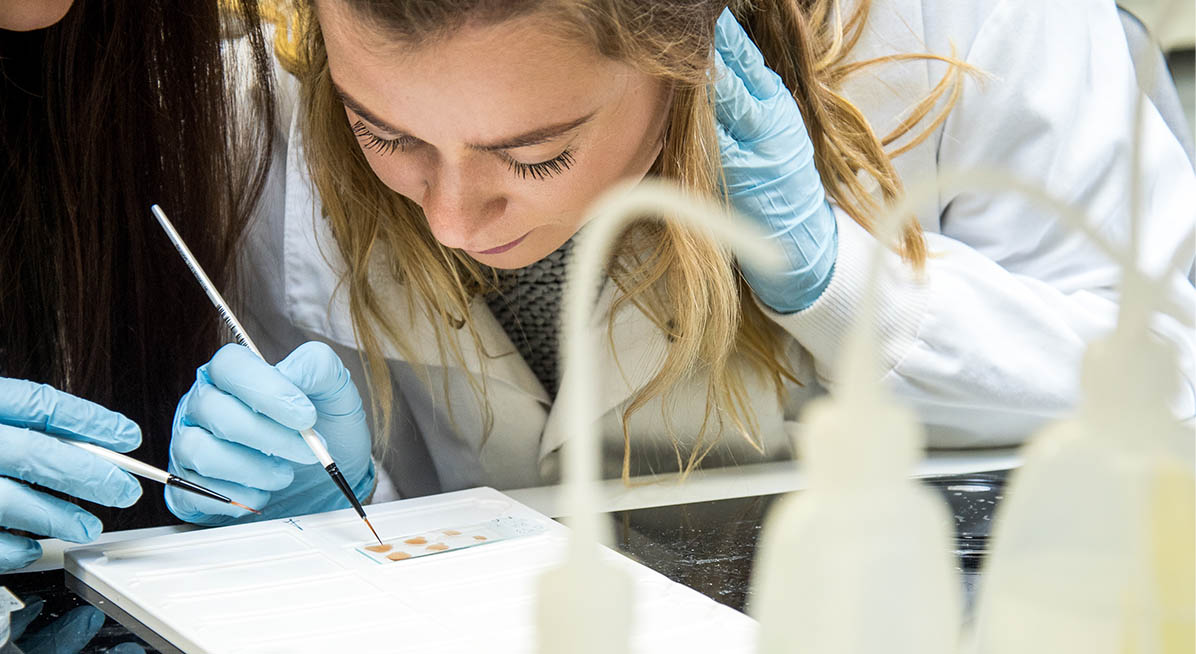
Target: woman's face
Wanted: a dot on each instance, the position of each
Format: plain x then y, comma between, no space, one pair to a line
502,133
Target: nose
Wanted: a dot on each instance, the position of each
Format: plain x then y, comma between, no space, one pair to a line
462,209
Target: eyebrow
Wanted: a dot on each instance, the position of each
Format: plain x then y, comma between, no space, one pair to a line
534,137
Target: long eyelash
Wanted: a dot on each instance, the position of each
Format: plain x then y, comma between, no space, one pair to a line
544,169
376,143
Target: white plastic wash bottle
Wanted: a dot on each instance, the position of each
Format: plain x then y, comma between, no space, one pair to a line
860,562
1094,545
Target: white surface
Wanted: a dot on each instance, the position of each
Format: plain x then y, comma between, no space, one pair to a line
53,549
300,586
644,492
745,481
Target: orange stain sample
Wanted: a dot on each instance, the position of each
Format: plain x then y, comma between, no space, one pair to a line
479,538
378,548
398,556
452,532
416,541
437,547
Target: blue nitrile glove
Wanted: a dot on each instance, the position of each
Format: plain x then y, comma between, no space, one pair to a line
237,432
768,161
29,411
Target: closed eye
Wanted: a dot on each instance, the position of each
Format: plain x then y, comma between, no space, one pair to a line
538,171
372,141
544,169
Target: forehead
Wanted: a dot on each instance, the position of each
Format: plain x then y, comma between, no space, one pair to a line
474,83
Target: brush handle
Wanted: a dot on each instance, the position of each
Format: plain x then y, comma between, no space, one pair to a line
317,447
226,312
214,295
126,463
309,435
143,469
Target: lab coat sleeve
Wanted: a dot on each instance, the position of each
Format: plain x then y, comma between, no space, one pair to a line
987,343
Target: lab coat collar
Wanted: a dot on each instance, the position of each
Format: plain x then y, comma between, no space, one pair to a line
624,363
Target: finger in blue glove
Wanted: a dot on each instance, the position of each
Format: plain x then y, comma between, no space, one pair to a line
242,374
44,408
195,509
25,509
317,370
36,458
16,552
231,420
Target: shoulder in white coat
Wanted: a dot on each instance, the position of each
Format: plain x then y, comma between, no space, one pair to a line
987,344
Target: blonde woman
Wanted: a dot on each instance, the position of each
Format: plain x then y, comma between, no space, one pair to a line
443,155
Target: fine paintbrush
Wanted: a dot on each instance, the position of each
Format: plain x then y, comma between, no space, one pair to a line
309,435
142,469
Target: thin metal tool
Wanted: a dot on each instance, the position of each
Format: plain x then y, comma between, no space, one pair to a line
143,469
309,435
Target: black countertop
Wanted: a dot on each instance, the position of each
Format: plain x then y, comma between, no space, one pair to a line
708,546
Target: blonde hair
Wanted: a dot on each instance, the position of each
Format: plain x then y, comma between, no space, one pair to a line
686,283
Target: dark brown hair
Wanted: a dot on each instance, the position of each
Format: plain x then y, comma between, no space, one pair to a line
121,104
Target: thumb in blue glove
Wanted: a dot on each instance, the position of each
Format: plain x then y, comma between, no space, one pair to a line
236,431
768,163
28,412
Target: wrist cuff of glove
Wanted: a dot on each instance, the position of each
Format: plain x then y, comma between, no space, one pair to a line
792,291
333,498
364,489
902,294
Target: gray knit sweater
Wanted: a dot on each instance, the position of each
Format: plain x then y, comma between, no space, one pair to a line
527,304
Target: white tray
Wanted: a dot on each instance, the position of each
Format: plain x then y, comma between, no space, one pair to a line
301,585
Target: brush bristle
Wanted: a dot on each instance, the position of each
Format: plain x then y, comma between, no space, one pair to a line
242,506
367,523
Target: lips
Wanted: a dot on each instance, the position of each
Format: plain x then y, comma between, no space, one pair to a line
503,248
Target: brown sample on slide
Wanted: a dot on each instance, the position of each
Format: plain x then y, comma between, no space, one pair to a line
378,548
452,532
416,541
437,547
398,556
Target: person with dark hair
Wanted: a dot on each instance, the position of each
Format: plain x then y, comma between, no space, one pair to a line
107,107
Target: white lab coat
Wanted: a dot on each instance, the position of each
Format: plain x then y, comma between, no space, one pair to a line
986,346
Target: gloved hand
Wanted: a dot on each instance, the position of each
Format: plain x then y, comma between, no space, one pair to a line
237,432
68,634
28,412
768,161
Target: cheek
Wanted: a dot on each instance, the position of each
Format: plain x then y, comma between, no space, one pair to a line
575,195
399,176
624,156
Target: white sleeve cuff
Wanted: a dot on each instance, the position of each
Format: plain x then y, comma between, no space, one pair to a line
822,327
384,488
